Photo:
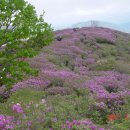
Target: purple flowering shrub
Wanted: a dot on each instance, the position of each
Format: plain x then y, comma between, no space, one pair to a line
17,108
16,121
35,83
20,119
80,125
6,122
111,88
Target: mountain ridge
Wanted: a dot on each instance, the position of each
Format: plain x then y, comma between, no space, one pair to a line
125,27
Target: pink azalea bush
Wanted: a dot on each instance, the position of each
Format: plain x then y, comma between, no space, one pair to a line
17,108
76,124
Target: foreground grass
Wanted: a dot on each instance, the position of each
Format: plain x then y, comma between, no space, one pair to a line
51,112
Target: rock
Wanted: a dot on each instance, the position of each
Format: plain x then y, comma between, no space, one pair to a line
75,29
59,38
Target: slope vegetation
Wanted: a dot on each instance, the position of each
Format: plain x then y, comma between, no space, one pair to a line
84,78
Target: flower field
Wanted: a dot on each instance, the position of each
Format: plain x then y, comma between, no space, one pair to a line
83,84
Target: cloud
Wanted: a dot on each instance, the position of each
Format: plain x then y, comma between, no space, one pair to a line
59,12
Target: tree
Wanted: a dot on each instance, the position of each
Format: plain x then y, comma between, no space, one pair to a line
22,34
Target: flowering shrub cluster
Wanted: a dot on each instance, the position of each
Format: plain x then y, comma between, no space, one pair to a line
75,124
7,122
17,108
10,122
29,116
110,88
21,118
33,82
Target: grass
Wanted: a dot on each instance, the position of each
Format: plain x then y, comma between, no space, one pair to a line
22,96
79,106
63,108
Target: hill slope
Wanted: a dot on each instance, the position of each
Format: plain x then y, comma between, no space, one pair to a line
82,55
84,51
92,59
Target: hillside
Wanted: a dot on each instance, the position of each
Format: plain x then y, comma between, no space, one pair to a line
84,76
84,52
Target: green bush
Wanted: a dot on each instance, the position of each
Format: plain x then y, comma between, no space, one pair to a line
103,41
122,67
105,64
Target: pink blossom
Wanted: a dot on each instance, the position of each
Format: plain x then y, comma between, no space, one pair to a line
17,108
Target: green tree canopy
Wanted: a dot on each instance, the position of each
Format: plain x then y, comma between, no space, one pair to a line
22,34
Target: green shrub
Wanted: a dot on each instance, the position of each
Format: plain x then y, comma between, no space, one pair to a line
103,41
105,64
122,67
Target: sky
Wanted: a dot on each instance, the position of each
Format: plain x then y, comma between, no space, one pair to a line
67,12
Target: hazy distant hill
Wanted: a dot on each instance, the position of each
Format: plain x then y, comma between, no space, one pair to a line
99,24
125,27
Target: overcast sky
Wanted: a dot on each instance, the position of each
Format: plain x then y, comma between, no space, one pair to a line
65,12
